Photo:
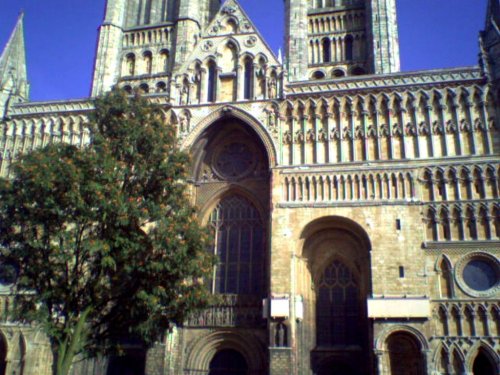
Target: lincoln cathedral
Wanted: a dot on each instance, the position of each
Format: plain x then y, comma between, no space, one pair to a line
355,207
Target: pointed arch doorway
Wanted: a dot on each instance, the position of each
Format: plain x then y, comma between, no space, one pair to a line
483,365
228,362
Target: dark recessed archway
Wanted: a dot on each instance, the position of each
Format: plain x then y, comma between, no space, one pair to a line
405,354
483,365
133,362
336,368
228,362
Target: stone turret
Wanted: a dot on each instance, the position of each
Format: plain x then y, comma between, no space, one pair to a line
14,86
107,63
383,39
296,39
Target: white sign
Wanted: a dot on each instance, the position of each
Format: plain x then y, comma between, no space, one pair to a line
399,308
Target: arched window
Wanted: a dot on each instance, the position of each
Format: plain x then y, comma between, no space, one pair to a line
148,62
239,245
337,73
349,47
445,279
326,50
248,78
318,75
164,61
144,88
130,64
405,355
337,307
161,86
212,86
128,89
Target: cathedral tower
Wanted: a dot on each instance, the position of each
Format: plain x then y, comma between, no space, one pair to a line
337,38
143,41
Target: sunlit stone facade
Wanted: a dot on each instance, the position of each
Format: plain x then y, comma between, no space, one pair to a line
355,207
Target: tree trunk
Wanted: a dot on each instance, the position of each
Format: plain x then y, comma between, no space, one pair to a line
70,346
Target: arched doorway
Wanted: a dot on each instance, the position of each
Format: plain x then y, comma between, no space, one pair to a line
483,365
334,279
3,354
405,354
228,362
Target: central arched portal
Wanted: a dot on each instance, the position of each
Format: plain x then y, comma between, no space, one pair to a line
231,173
231,185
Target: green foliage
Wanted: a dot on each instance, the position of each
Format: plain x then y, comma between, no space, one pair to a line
105,235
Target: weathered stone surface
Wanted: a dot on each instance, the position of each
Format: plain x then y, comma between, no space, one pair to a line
381,186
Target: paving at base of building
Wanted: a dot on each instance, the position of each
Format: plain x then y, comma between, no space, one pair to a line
356,207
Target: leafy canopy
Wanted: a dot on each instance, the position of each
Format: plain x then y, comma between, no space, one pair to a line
105,236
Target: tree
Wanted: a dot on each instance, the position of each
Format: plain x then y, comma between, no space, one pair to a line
104,237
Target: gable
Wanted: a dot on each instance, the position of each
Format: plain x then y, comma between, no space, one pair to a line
228,40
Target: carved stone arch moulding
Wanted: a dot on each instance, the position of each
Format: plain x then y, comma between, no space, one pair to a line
226,191
201,350
381,340
233,112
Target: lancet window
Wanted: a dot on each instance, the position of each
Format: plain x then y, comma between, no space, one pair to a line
239,246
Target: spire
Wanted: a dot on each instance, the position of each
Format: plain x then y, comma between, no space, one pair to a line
14,87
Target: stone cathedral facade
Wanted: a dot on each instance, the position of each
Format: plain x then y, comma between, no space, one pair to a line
355,207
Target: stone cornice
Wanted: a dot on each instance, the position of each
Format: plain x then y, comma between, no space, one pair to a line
41,108
409,80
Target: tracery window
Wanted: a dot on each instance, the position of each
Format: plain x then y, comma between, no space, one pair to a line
239,245
337,307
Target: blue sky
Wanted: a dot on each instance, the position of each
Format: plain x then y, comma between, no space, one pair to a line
61,37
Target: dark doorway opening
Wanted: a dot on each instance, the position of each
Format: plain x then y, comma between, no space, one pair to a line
336,368
483,365
133,362
228,362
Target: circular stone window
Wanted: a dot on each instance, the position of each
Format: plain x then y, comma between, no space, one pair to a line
234,160
478,274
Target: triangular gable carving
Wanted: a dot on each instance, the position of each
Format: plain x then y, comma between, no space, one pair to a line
230,41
